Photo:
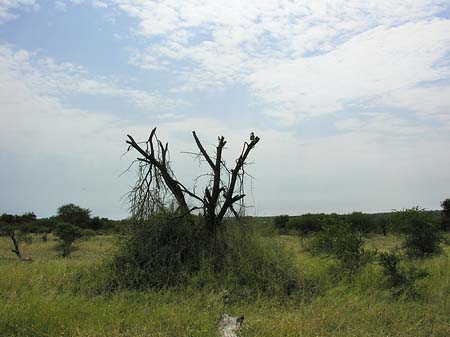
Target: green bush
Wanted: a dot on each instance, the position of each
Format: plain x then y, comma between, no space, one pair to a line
169,251
445,214
254,264
281,221
421,236
67,234
159,253
306,223
341,242
400,280
361,222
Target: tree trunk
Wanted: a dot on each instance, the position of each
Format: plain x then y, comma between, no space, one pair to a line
16,249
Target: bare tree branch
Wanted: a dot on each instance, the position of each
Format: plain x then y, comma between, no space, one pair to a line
156,180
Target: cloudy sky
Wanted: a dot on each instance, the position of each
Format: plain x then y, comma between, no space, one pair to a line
351,99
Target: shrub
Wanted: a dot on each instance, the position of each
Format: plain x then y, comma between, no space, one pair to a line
162,252
360,222
307,223
169,251
281,221
67,234
342,243
445,214
400,280
421,235
254,264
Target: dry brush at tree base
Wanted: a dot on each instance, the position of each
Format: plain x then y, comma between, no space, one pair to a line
169,247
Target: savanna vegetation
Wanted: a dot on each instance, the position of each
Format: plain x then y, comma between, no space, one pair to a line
183,258
55,296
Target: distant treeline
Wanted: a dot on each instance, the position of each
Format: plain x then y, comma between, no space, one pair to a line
379,223
70,213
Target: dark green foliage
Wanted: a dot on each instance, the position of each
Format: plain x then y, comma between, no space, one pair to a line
360,222
281,221
19,221
100,224
67,234
307,223
310,223
44,225
159,253
341,242
400,280
421,235
28,217
169,251
445,223
5,228
382,223
74,215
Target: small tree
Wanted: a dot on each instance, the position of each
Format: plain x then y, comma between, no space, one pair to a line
421,236
340,241
74,215
67,233
381,223
9,229
12,225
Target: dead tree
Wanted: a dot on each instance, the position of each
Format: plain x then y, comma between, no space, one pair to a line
8,230
16,249
157,185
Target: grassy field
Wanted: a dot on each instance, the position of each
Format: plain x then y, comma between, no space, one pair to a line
39,299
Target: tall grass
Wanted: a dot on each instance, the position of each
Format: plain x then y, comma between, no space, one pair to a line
37,299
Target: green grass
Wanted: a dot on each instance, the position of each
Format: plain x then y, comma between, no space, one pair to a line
38,299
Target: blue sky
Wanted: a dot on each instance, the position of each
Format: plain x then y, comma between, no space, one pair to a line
350,98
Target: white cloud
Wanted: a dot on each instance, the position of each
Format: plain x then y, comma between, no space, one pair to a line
373,64
99,4
61,5
54,154
228,40
299,58
381,125
44,76
427,102
9,8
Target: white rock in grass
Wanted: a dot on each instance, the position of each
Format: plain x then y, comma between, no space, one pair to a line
229,325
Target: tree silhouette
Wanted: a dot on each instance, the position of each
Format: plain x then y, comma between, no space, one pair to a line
157,185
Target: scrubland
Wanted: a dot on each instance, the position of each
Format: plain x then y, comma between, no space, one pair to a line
51,297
